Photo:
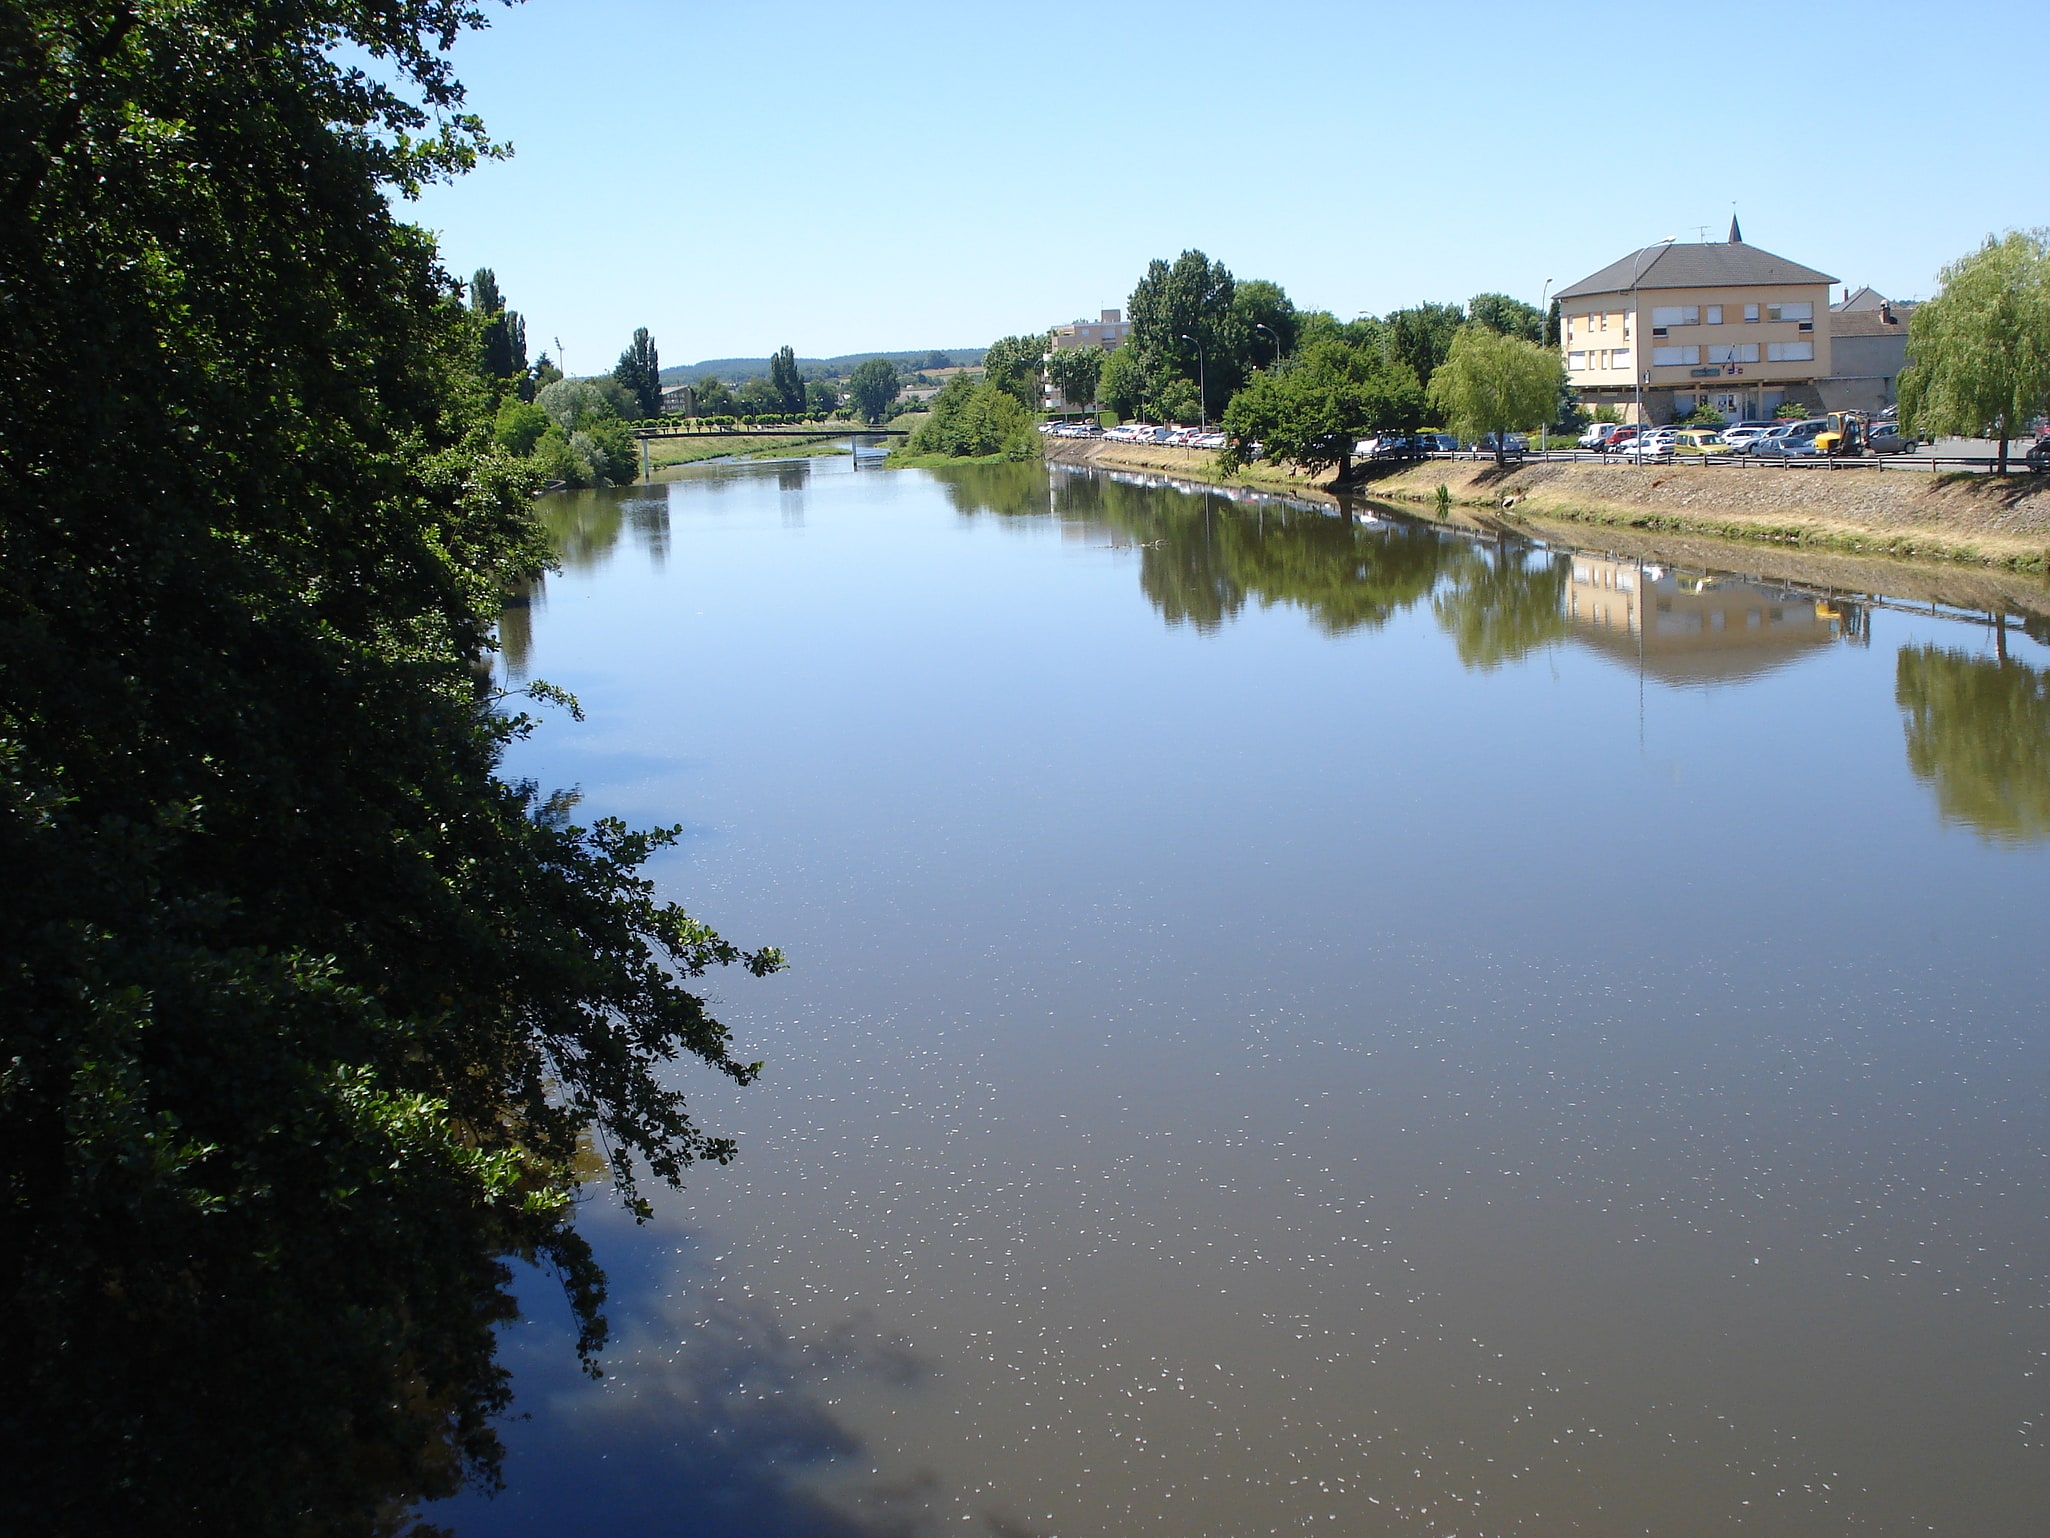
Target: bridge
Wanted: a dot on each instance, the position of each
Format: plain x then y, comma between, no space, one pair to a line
682,427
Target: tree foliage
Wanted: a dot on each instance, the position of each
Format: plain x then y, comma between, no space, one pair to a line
307,1016
1121,384
1421,337
1074,372
504,338
1012,364
872,386
1979,352
784,379
1191,297
639,373
1491,383
975,420
1311,413
1510,317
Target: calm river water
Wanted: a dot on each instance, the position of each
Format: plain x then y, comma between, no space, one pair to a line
1303,1025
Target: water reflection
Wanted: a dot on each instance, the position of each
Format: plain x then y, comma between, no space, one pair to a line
1978,731
1243,1156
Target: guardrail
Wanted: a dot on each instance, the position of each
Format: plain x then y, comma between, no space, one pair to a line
1982,464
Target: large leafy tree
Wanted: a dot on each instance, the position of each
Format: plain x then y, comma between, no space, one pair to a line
1421,336
504,337
1311,413
307,1018
1192,297
1491,383
1121,384
1012,364
872,386
785,380
1075,371
639,373
1511,317
1979,352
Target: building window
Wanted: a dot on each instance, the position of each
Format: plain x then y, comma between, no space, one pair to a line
1577,362
1778,312
1620,358
1734,352
1676,315
1751,314
1605,320
1789,352
1674,357
1715,315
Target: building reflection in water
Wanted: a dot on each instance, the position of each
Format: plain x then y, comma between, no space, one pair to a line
1689,628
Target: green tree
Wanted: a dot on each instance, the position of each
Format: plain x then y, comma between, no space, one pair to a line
519,426
1121,384
573,403
1978,732
712,397
309,1019
1254,304
1511,317
1012,364
977,420
1421,337
503,340
786,381
872,386
1311,413
820,396
639,373
1192,297
1491,383
1075,371
1502,606
1979,352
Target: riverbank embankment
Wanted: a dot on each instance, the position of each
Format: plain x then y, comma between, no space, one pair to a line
1982,520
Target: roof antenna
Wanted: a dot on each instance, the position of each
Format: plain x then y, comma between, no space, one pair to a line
1703,229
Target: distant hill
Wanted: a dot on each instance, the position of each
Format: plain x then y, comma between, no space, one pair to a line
739,370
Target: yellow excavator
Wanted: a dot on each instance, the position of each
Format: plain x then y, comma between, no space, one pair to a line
1845,434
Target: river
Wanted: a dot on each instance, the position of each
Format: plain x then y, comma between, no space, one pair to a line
1302,1024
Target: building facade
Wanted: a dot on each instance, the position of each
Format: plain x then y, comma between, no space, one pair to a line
1868,344
1108,333
1720,322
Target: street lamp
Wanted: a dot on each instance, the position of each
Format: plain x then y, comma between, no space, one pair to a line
1544,323
1261,325
1637,364
1202,386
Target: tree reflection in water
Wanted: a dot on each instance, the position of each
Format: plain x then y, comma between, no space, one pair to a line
1978,730
1504,604
1203,558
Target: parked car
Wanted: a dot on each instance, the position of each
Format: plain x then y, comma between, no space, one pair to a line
2038,456
1740,438
1438,443
1598,435
1619,441
1787,446
1512,443
1699,440
1885,438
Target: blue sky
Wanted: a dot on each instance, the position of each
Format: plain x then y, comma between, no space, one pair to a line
845,179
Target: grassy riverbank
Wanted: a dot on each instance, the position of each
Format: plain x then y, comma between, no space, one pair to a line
668,453
2000,522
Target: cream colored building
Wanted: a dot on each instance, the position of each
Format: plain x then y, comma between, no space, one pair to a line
1692,629
1108,333
1720,321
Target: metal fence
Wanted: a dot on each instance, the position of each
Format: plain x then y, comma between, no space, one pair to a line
1984,464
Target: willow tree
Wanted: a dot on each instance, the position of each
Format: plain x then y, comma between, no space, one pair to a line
1491,383
1979,352
1978,733
309,1020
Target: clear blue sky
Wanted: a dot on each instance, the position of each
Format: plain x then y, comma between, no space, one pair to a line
741,175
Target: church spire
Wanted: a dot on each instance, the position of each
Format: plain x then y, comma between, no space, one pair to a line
1736,235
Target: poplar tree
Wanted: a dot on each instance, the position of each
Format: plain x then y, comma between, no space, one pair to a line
639,370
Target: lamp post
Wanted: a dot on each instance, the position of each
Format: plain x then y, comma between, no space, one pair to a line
1202,386
1261,325
1637,363
1544,320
